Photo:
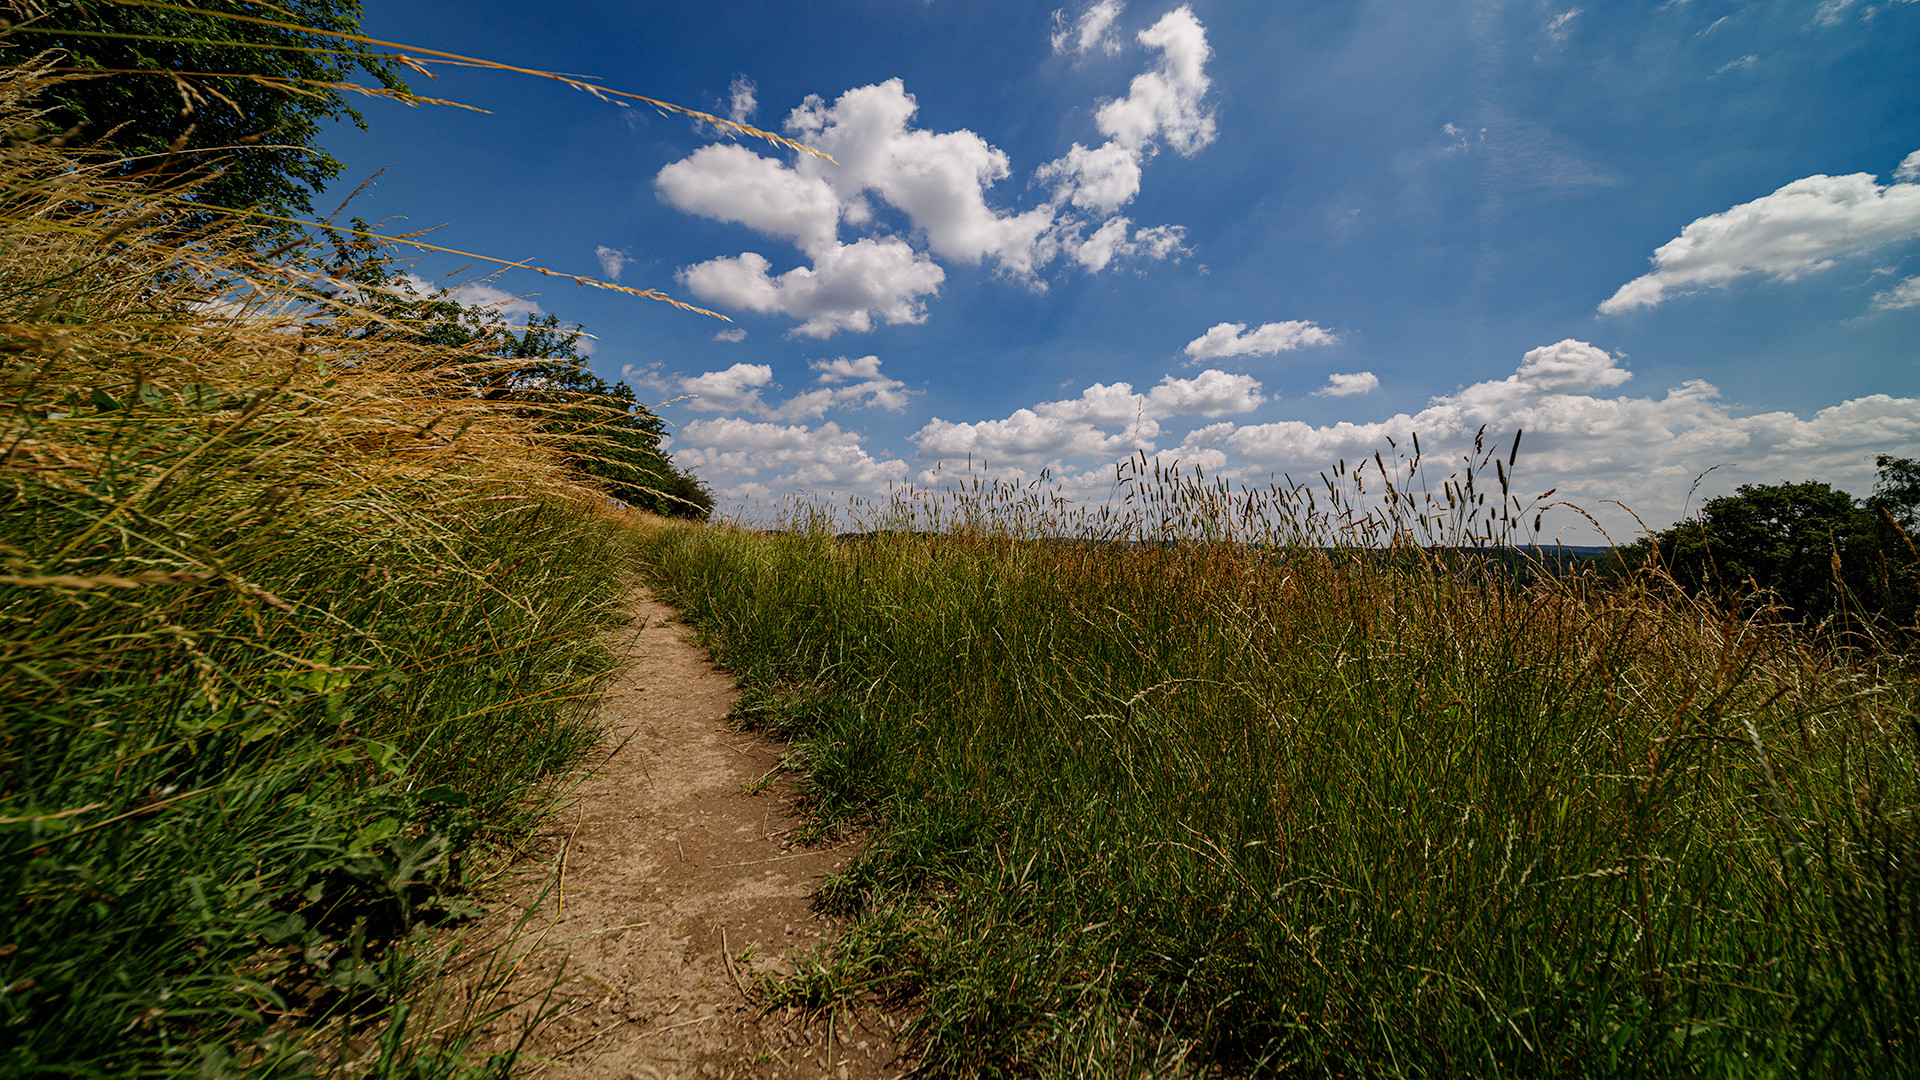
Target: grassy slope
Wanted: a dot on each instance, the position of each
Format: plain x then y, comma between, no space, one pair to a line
293,626
1319,814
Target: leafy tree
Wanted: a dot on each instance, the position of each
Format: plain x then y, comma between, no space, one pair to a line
613,440
242,96
252,84
1782,538
1808,547
620,452
1894,507
1896,494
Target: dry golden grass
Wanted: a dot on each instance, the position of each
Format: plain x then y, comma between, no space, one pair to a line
295,622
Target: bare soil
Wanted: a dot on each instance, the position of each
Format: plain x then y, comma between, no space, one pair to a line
670,870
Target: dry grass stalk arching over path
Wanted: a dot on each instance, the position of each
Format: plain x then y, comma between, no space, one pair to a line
676,864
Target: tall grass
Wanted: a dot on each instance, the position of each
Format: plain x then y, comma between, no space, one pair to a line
293,626
1148,799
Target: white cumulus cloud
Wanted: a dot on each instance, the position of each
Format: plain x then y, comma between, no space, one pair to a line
728,182
1210,393
844,384
849,287
1232,339
1801,228
612,261
1161,241
841,383
1359,382
1075,427
1582,437
844,370
741,99
1111,241
941,182
1089,31
733,390
748,457
1205,447
938,179
1564,367
1103,179
1643,451
1165,103
1098,250
1029,438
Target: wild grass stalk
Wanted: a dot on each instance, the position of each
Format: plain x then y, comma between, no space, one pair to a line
1349,800
294,623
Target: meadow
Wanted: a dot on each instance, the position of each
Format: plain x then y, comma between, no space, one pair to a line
300,625
1300,782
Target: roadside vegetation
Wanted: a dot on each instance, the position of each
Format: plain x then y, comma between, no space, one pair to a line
305,582
1300,782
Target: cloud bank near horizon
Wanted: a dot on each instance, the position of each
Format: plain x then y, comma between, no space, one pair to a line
1600,446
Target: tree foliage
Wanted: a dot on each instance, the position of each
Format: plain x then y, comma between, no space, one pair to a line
229,96
621,455
1896,495
174,92
1808,548
613,439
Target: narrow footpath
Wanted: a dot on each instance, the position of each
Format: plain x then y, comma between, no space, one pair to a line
676,865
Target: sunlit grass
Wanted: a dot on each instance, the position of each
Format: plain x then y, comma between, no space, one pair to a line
294,627
1195,784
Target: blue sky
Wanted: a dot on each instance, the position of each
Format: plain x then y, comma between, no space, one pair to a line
1660,236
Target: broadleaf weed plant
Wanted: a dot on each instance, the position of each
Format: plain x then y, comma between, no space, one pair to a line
1323,780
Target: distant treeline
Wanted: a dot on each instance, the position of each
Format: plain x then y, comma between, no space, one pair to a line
1806,550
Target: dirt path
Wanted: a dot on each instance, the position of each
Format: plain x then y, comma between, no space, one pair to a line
670,865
